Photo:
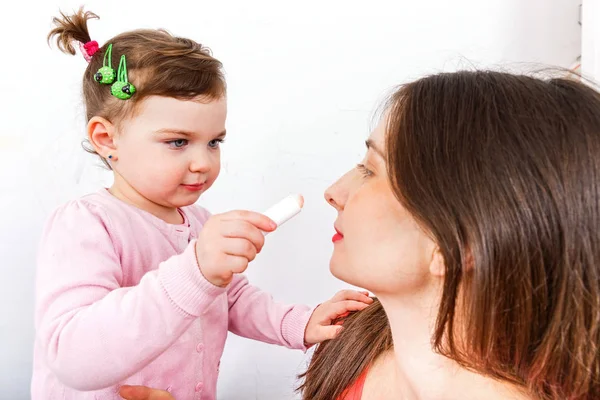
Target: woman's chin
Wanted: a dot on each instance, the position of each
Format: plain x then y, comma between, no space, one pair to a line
343,272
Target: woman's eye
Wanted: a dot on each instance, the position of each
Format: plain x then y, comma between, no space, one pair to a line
364,170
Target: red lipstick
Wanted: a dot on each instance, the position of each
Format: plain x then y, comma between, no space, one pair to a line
337,237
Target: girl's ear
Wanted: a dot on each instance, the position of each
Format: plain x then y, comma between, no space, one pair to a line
101,133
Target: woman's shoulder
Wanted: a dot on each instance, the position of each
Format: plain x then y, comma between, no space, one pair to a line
354,391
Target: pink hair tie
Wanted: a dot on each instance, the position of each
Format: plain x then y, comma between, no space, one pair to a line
88,49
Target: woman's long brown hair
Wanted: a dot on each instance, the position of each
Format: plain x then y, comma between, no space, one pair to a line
337,363
504,172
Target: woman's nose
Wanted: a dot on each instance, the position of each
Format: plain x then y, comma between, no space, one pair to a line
337,194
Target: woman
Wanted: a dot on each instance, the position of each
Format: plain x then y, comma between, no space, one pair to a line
474,218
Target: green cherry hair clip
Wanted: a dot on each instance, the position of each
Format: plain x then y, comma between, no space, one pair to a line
106,74
122,89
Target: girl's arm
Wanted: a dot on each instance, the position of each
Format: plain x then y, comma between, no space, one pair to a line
94,332
254,314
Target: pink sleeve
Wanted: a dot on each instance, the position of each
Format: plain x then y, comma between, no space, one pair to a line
253,314
89,326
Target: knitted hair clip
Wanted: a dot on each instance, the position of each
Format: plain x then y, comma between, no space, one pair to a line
121,88
106,74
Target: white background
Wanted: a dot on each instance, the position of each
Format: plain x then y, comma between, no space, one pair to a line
305,79
590,38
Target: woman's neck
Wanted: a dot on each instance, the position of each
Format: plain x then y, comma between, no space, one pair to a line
423,374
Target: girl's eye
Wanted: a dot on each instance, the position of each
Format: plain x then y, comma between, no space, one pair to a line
178,143
364,170
214,144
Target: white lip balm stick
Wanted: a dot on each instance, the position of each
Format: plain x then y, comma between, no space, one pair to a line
285,210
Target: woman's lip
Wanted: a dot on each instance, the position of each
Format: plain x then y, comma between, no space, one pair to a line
337,237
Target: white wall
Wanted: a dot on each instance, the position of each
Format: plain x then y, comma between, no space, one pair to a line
304,81
590,39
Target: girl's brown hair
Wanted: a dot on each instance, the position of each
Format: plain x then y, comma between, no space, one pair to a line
504,172
158,64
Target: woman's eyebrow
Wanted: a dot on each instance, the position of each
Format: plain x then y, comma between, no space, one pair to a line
371,145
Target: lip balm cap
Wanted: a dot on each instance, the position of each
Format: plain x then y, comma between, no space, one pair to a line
285,209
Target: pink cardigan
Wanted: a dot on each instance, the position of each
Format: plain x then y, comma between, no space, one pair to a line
120,299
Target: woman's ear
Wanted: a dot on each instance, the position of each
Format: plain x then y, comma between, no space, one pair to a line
101,134
437,267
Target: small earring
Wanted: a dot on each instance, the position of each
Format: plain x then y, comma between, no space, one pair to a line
110,157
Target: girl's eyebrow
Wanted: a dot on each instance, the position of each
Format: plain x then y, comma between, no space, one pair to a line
183,132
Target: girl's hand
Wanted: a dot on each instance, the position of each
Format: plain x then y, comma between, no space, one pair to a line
228,242
320,328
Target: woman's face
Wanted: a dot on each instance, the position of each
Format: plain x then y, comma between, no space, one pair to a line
379,246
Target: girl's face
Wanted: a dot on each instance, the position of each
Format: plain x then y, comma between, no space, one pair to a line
168,152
